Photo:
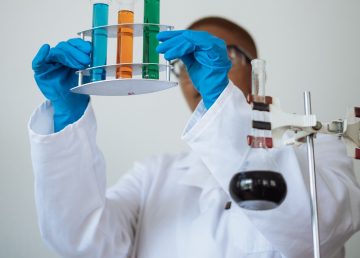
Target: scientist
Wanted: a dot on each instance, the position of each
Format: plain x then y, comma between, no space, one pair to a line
178,205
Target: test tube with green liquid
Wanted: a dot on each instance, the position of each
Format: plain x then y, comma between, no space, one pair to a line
99,39
151,15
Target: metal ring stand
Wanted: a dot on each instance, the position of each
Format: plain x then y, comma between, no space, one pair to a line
123,87
312,175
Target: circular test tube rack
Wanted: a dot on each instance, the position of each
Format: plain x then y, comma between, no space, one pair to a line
123,87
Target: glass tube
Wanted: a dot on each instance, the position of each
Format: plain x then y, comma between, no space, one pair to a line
125,38
258,77
151,15
99,39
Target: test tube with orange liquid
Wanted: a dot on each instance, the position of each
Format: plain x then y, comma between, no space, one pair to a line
125,39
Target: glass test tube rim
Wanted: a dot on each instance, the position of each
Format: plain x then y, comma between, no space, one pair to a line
126,5
108,2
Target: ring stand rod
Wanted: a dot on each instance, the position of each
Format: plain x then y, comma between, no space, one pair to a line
80,82
312,174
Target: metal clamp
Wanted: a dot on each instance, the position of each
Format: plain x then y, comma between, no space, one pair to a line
336,126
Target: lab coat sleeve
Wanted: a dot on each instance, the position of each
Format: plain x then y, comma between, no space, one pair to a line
77,216
218,136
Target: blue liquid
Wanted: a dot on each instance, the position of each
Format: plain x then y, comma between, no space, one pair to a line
99,41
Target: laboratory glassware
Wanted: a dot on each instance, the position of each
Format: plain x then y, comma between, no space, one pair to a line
258,185
150,56
115,81
125,38
99,39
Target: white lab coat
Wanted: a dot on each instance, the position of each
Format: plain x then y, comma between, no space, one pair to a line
172,206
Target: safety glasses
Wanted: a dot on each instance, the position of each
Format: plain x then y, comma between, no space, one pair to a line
237,55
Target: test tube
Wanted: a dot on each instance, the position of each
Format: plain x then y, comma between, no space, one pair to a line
125,38
99,39
151,15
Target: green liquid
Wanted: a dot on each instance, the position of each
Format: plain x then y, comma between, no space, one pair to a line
151,15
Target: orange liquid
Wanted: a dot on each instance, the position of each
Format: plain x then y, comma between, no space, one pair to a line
125,44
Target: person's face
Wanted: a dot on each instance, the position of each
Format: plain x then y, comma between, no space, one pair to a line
240,73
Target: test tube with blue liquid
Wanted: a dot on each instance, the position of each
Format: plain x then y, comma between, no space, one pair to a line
99,39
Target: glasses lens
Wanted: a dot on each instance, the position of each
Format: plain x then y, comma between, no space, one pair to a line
237,55
177,67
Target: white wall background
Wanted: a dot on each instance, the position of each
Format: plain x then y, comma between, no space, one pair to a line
309,45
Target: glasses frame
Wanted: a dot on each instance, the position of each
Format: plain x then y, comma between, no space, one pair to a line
177,64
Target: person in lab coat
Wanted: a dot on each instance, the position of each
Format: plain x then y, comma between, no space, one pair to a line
174,205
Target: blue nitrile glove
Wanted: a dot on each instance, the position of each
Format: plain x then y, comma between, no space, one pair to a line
205,57
55,75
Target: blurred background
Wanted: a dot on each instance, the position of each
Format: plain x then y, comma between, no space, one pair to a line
308,45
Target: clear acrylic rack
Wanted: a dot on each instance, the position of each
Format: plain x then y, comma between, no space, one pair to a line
112,86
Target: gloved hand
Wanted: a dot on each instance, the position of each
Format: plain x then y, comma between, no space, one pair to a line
55,75
205,57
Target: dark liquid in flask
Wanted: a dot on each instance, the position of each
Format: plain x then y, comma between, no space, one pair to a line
258,190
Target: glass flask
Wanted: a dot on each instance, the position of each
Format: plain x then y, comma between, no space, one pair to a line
258,185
